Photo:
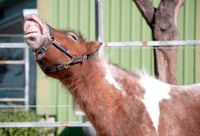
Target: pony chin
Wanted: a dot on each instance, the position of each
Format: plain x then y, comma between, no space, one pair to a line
35,42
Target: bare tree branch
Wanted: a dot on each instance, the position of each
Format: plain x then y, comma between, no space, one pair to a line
147,10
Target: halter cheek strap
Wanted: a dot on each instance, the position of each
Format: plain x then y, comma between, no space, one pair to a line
40,53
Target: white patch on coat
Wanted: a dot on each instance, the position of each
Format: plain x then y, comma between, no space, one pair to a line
109,76
155,91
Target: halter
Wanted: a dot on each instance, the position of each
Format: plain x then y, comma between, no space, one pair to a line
40,53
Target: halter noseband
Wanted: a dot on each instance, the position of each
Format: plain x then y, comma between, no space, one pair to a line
40,53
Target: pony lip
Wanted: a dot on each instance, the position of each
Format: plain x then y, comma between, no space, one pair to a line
27,33
33,25
35,31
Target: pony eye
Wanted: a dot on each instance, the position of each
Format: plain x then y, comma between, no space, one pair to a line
73,36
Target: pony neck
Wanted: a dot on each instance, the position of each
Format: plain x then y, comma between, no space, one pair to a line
101,94
99,75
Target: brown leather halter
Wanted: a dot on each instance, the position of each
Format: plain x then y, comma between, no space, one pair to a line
40,53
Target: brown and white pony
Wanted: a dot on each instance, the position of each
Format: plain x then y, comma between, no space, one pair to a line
116,101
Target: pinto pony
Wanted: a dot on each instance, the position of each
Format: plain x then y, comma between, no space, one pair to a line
116,101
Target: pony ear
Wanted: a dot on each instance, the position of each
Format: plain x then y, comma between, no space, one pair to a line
93,46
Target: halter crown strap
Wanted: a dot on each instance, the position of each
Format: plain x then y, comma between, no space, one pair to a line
62,49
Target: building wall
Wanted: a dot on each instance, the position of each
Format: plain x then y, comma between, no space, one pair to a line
122,22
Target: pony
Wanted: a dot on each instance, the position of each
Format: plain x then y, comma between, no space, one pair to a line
117,102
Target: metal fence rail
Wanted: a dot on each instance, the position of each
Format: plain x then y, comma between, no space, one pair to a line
152,43
13,45
43,124
11,35
12,100
12,88
2,62
122,44
35,106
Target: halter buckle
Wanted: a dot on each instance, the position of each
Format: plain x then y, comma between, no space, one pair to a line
40,51
39,54
67,64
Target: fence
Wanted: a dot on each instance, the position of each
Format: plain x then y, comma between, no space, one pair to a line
24,62
70,124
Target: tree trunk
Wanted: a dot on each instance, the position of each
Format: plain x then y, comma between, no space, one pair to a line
163,23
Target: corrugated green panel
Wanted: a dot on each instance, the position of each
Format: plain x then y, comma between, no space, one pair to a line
107,25
155,2
73,14
62,100
197,24
136,27
53,13
123,22
189,53
125,33
180,73
42,94
114,29
63,13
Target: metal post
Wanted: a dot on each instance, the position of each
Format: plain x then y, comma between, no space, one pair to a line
26,66
100,25
100,20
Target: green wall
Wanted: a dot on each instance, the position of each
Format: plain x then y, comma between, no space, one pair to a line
122,22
